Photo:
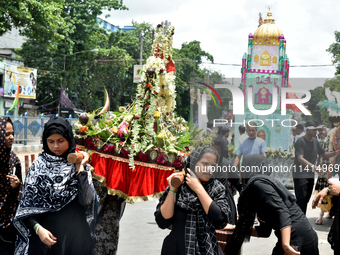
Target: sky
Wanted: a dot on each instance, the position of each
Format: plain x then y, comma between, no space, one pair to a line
223,26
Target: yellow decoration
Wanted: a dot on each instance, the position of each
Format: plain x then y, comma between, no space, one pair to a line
161,135
268,33
265,59
263,93
157,114
256,58
274,59
114,129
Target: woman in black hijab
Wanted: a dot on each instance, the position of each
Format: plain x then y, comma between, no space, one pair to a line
275,208
11,188
56,214
195,209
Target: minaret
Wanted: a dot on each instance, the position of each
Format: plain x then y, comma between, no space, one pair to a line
265,71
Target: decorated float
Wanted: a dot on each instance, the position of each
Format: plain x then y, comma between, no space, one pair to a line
134,150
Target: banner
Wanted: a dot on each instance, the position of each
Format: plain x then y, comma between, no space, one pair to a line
64,100
136,70
27,78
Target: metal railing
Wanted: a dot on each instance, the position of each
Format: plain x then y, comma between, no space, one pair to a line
28,130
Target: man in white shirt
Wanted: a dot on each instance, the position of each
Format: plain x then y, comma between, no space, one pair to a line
243,136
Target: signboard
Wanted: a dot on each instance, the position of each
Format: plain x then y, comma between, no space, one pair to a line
136,71
26,77
230,105
1,91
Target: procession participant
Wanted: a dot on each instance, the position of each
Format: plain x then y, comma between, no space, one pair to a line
110,210
209,130
322,181
307,149
11,188
334,190
243,134
56,214
195,209
251,145
228,176
275,208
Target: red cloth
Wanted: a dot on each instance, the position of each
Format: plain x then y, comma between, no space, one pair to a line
170,67
292,95
145,180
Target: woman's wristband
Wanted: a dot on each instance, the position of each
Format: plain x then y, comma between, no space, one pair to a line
36,228
172,191
327,191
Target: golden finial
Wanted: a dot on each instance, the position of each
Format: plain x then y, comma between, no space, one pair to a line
269,18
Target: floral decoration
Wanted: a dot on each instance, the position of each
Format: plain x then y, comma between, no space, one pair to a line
147,129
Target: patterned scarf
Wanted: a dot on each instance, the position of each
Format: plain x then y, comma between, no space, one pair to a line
9,197
200,235
50,185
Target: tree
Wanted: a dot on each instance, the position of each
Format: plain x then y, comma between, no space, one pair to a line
334,49
34,18
73,65
317,95
187,61
130,42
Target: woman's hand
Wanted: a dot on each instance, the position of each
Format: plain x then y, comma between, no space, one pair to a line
319,197
289,250
334,188
13,180
80,166
46,236
193,182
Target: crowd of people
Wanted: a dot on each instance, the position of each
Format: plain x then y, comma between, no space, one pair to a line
262,198
60,209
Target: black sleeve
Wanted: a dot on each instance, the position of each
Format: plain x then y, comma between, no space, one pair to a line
161,222
299,148
271,202
264,230
85,192
30,222
215,214
234,179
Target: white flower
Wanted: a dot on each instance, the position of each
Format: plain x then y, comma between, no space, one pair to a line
128,118
78,125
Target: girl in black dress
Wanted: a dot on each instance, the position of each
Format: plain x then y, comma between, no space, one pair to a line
56,214
195,209
10,187
275,208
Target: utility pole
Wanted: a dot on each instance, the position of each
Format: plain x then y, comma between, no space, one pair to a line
141,49
208,77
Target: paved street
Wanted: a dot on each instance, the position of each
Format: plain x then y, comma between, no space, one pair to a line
139,233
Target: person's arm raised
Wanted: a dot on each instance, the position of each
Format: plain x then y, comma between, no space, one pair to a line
195,184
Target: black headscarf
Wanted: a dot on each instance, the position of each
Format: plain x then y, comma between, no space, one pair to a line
9,198
247,201
252,165
60,126
197,154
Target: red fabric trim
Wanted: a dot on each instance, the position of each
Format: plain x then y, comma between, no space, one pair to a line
143,181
